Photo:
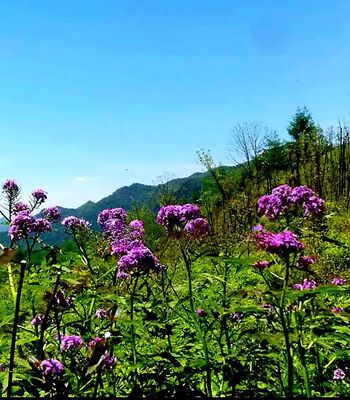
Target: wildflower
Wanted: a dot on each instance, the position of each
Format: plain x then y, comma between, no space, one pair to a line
41,225
39,195
101,313
306,285
305,261
94,342
108,361
74,223
18,207
197,227
258,228
105,217
261,264
37,320
337,310
172,216
137,230
52,368
139,258
338,281
10,188
201,313
122,275
235,317
338,374
52,213
71,342
282,243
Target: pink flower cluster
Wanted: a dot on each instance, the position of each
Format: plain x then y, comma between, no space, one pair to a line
185,217
306,285
282,243
24,224
284,196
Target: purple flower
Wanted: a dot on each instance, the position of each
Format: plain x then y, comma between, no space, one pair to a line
305,261
197,227
23,224
105,216
137,230
282,243
337,310
138,258
37,320
71,342
172,216
41,225
123,275
10,188
258,228
201,313
261,264
338,375
101,313
337,280
108,360
235,317
306,285
94,341
52,213
39,195
18,207
52,368
73,223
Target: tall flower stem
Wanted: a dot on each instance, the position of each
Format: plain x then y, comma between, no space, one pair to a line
196,324
133,340
285,328
15,326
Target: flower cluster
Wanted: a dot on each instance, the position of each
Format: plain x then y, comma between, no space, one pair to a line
52,213
23,224
183,217
338,374
10,188
107,219
101,313
338,281
74,224
39,195
37,320
261,264
139,258
18,207
305,261
306,285
71,342
282,243
282,197
52,368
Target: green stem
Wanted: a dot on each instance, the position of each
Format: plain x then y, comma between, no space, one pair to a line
285,328
303,360
196,324
14,330
133,340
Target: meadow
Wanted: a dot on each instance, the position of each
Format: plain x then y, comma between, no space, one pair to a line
228,296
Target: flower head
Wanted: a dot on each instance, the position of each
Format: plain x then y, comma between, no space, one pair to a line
39,195
18,207
306,285
10,188
197,227
139,258
52,213
108,360
282,243
337,310
71,342
338,374
52,368
261,264
338,281
37,320
101,313
73,223
305,261
201,313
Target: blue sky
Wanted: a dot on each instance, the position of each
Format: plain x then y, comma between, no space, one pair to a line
99,94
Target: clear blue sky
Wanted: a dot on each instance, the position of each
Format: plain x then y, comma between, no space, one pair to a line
98,94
